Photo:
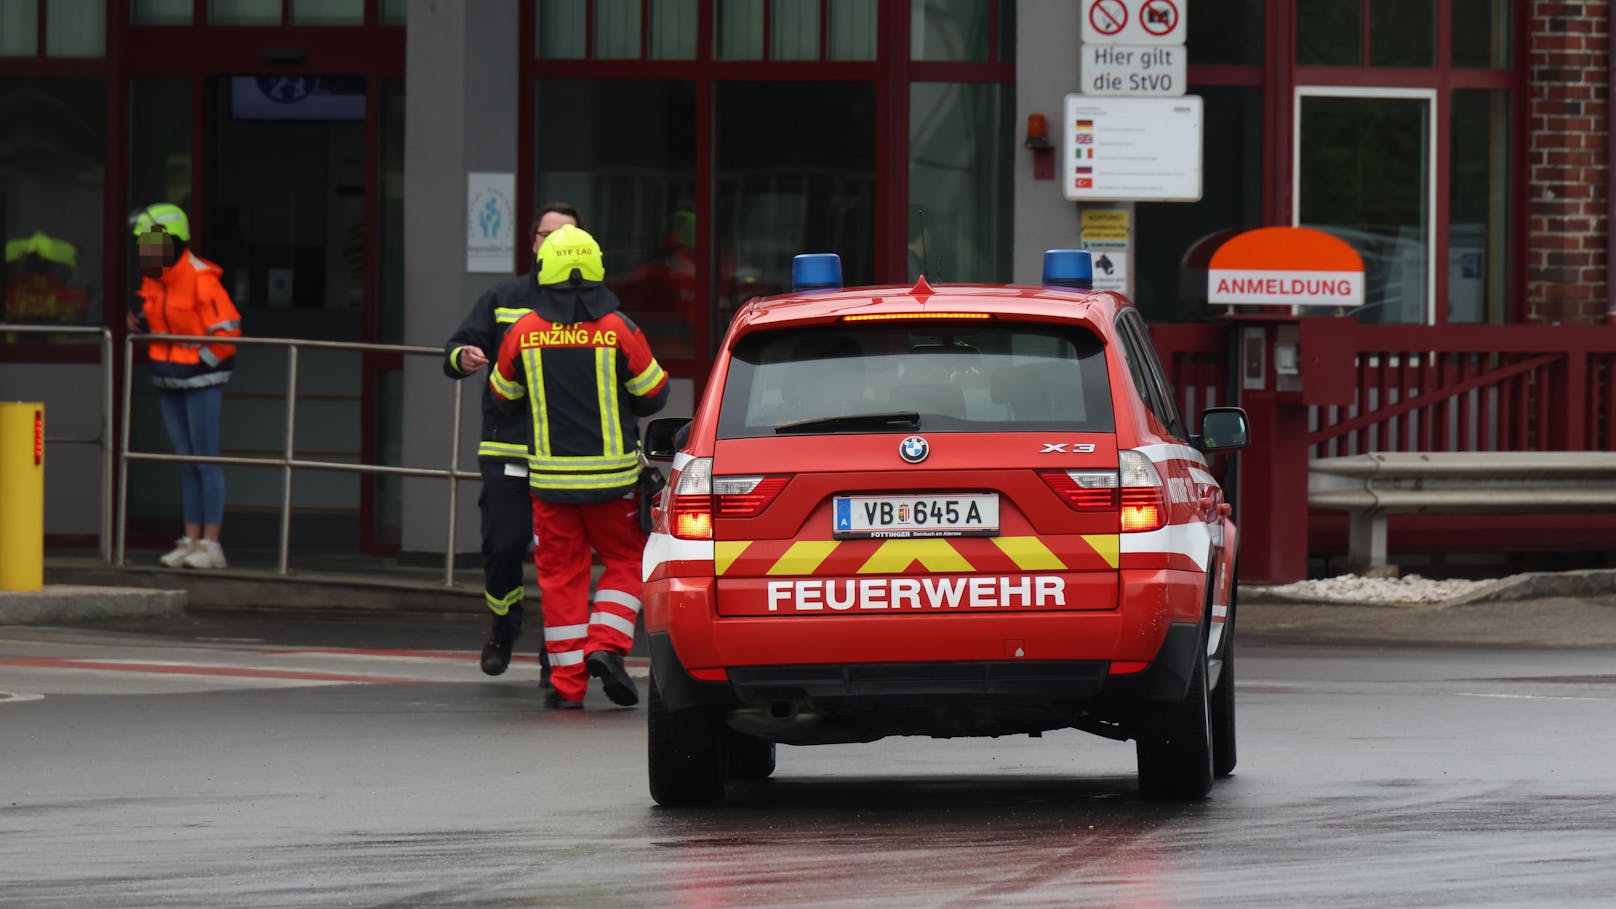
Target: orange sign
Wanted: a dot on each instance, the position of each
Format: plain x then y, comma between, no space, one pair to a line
1286,266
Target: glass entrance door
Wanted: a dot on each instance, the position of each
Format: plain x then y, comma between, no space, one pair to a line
1365,170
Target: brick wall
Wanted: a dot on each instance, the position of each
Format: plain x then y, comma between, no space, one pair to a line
1568,163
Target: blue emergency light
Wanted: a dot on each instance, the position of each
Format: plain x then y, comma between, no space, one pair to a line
816,271
1069,268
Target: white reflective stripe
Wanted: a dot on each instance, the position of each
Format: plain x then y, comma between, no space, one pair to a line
1214,638
607,595
681,458
515,470
567,658
1172,451
1202,477
206,356
1192,540
662,547
1220,612
565,632
613,620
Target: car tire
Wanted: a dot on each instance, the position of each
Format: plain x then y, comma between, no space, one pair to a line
685,753
750,758
1175,752
1222,703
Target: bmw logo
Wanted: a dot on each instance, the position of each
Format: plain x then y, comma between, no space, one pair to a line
913,449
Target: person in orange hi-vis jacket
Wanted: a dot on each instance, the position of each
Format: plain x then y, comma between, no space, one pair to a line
180,294
587,374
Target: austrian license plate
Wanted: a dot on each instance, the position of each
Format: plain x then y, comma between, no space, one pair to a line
901,516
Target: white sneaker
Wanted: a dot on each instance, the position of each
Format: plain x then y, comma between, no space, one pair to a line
207,554
183,547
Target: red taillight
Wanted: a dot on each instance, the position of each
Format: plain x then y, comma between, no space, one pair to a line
1083,490
1143,509
746,497
691,517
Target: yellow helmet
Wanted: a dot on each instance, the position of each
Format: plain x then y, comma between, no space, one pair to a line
567,248
170,219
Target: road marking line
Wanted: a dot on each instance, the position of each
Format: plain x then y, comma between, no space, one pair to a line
245,672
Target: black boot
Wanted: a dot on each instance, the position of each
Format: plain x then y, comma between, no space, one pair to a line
544,669
608,667
497,651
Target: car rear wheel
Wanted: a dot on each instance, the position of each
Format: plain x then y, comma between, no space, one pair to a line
750,758
1175,753
685,752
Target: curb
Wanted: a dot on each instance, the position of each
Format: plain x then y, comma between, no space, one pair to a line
56,603
1532,585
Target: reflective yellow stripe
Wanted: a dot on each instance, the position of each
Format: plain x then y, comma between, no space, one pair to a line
725,552
645,381
505,315
578,463
501,449
803,557
534,367
505,387
895,557
583,481
611,433
502,605
1106,545
1029,553
454,358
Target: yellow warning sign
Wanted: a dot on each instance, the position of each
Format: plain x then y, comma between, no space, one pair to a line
1105,224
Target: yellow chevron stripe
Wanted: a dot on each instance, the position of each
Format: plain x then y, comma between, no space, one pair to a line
1106,545
725,552
1029,553
934,554
804,556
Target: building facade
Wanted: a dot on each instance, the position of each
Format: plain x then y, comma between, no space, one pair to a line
340,157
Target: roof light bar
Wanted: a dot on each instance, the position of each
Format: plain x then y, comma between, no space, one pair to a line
816,271
1069,268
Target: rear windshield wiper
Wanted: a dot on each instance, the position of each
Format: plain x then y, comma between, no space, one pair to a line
908,419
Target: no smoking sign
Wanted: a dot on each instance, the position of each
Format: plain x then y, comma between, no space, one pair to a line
1134,21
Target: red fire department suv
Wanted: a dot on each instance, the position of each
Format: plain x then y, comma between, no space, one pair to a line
961,510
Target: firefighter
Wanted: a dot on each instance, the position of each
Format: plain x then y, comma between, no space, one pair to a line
585,373
180,294
507,513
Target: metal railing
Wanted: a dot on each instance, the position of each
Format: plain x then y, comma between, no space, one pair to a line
288,461
103,437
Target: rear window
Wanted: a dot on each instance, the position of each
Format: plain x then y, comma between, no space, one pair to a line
989,377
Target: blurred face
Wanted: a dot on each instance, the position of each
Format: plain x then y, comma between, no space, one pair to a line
548,224
154,249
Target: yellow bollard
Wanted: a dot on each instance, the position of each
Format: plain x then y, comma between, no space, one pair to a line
22,495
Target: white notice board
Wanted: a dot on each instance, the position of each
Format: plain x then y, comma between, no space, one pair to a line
1132,148
490,222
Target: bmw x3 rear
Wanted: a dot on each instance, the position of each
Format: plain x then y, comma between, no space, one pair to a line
939,511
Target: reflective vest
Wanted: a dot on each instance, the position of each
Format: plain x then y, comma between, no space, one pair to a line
189,300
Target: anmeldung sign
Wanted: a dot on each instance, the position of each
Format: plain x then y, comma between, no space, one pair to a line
1132,149
1286,266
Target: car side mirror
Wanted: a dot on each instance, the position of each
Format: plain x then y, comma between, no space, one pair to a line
1223,429
665,436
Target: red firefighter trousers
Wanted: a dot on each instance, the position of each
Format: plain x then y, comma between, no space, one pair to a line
572,629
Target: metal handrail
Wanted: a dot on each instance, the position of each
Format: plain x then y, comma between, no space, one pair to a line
103,438
288,462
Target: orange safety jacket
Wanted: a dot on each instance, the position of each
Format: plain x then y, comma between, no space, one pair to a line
187,299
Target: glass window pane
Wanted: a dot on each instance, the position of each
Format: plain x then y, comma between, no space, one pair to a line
740,29
562,26
961,157
52,180
1328,32
948,30
1007,31
75,28
1402,33
1174,240
244,12
1364,177
395,12
633,181
783,189
852,30
1478,208
794,30
673,29
328,12
1481,33
617,29
1234,35
161,12
19,28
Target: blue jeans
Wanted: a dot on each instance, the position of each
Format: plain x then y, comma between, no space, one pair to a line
192,418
